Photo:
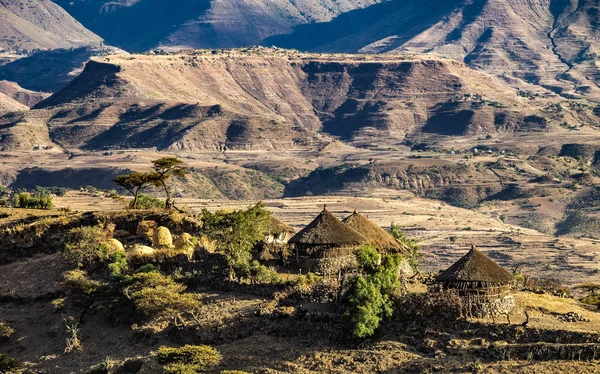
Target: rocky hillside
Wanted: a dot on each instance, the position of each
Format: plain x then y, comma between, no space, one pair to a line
40,24
269,99
23,96
550,43
139,25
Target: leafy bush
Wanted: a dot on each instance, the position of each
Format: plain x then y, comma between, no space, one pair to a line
593,291
364,307
257,273
77,280
148,268
87,245
5,331
9,364
147,202
236,233
188,359
157,295
118,266
38,200
368,298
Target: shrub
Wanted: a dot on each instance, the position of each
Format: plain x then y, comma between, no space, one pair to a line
157,295
368,298
77,280
261,274
118,266
5,331
38,200
9,364
87,245
147,202
148,268
236,233
188,359
364,307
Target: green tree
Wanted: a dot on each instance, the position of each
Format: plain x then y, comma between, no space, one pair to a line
236,233
368,298
412,244
364,307
135,183
164,169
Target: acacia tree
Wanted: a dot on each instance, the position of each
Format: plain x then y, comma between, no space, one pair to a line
135,183
164,169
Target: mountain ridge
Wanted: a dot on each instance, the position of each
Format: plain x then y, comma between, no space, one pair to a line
275,99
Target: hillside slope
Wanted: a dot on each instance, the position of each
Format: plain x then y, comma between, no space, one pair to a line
40,24
268,99
139,25
8,104
550,43
26,97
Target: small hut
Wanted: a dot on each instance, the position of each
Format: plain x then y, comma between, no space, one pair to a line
382,240
326,245
277,231
272,250
483,285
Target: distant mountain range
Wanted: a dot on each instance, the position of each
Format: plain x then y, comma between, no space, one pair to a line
40,24
550,43
139,25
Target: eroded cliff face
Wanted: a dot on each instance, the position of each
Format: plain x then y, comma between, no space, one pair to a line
274,100
550,43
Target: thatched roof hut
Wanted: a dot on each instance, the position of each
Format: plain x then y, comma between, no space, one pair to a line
326,245
483,284
476,267
277,231
326,231
375,235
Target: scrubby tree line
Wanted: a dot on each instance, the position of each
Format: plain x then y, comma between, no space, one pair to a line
163,169
39,198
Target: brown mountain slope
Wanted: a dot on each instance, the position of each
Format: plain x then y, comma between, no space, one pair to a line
269,99
26,97
550,43
139,25
40,24
8,104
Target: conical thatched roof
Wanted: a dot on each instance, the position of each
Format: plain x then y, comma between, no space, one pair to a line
475,266
325,229
375,235
276,227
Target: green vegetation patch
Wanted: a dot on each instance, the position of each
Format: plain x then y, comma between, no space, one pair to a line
188,359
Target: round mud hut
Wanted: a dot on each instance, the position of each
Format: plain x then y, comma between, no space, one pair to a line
325,246
483,286
382,240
